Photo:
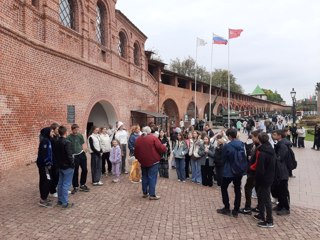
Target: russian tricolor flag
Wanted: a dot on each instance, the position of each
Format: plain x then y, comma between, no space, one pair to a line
219,40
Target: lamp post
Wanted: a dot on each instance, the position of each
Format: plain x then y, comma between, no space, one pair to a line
293,96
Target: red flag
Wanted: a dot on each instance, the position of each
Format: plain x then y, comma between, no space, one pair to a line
234,33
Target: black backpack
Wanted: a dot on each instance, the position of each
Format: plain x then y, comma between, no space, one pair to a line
291,160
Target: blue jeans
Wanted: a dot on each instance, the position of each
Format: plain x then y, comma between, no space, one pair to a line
149,179
65,179
180,168
196,171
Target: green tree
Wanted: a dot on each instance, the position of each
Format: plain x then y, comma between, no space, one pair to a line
220,78
187,67
273,96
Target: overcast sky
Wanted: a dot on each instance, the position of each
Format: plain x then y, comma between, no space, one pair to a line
279,48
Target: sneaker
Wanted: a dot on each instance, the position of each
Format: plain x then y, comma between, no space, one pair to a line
95,184
69,192
74,190
154,197
84,188
265,224
145,195
55,195
99,183
224,211
183,181
283,212
234,213
45,203
126,172
256,210
245,211
115,180
179,180
68,205
258,217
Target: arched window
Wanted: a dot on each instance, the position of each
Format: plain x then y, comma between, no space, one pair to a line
67,13
136,54
122,46
100,23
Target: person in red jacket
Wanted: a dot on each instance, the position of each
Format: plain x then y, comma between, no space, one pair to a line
148,150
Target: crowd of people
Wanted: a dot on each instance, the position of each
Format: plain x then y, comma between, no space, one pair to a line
204,157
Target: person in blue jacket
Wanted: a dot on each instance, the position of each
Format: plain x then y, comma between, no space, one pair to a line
44,163
229,156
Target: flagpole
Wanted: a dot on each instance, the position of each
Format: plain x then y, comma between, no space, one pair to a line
228,79
211,75
195,83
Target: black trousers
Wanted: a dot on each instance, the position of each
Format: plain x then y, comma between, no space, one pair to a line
283,195
80,160
105,159
44,183
207,175
123,157
250,184
164,168
187,167
301,142
219,173
264,202
54,175
237,191
294,140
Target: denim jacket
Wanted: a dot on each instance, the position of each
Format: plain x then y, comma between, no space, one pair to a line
180,149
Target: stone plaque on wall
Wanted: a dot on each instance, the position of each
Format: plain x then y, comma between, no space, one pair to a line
71,114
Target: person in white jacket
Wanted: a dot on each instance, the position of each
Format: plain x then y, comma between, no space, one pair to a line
301,135
122,137
105,142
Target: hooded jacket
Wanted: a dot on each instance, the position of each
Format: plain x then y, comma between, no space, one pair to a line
281,149
228,156
266,162
44,158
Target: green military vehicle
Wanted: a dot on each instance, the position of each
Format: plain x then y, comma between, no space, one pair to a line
222,120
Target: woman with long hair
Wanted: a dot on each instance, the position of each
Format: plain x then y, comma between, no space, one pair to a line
164,164
195,143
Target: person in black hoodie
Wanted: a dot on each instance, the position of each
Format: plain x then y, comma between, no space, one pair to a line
164,162
280,185
265,172
66,167
44,164
293,130
250,184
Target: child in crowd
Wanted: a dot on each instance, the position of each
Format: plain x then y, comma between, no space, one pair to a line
115,159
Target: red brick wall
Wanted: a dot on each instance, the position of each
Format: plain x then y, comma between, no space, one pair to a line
46,66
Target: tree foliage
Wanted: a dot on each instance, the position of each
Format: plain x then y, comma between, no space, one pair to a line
273,96
187,67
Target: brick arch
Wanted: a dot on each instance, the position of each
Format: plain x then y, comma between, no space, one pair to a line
106,105
219,109
206,111
170,108
190,110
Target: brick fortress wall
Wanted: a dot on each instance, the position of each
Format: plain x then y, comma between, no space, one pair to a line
46,66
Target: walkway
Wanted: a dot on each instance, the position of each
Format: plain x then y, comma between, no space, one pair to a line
185,211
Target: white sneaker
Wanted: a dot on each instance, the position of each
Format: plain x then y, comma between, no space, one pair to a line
69,192
100,183
115,180
54,195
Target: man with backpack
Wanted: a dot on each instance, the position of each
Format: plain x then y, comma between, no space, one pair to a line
280,185
235,166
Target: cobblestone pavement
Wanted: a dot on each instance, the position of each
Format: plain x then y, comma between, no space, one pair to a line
185,210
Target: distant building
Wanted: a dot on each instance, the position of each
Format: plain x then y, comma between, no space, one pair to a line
259,93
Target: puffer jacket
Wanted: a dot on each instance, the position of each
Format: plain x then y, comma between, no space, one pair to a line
282,151
204,155
194,149
180,149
